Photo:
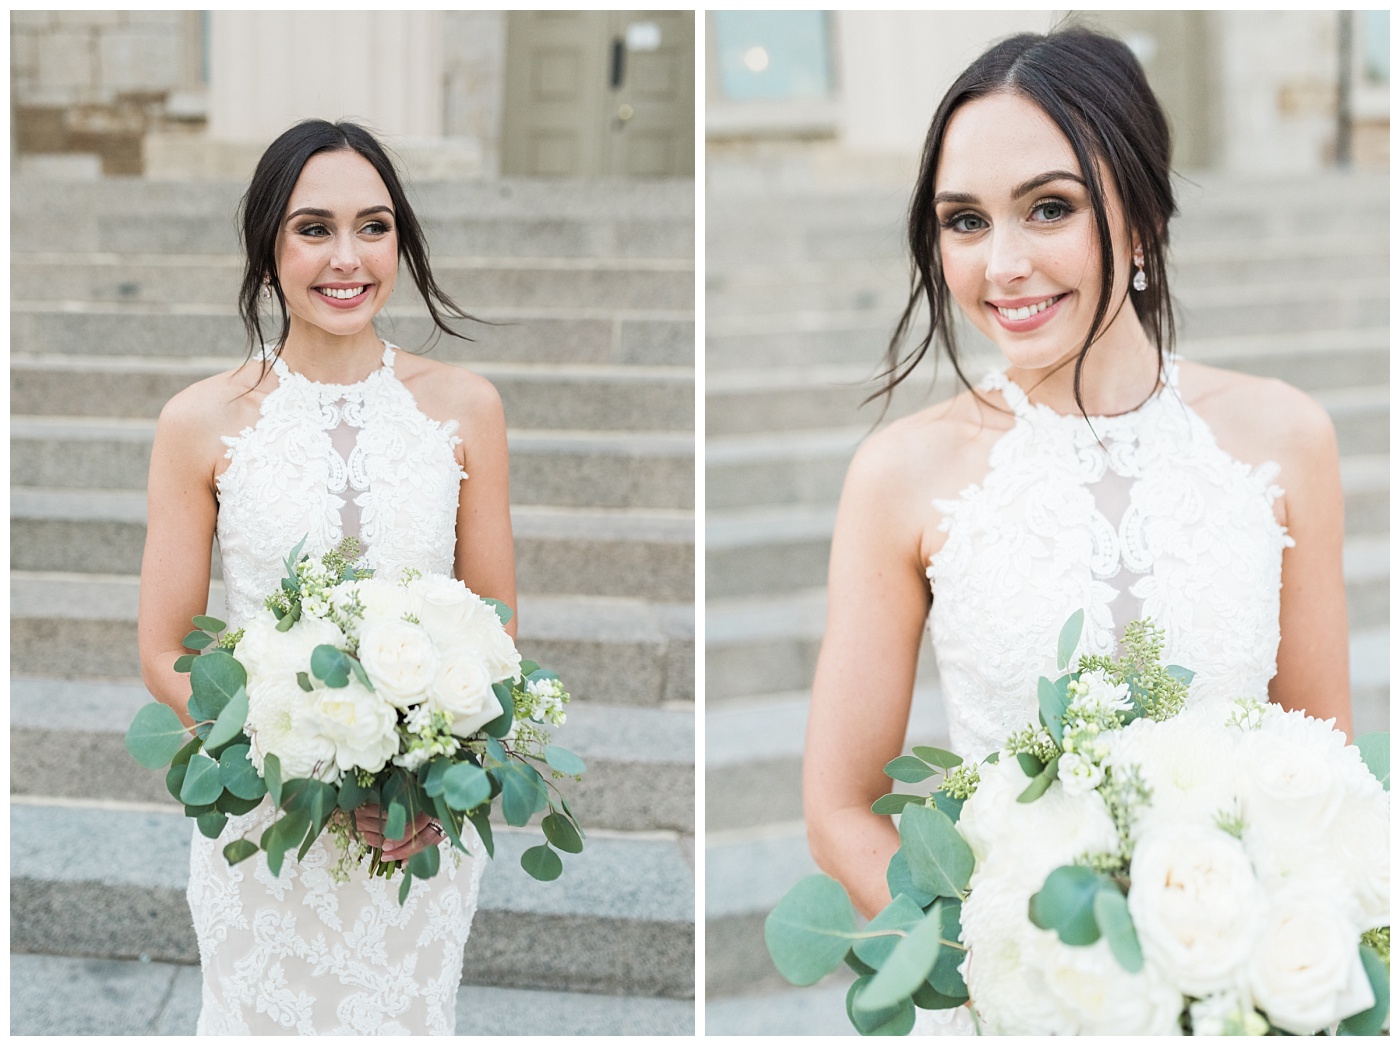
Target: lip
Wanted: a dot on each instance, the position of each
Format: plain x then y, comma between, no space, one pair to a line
1030,323
348,303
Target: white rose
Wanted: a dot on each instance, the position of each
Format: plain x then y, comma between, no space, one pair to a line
462,689
447,603
1195,904
479,630
1186,761
281,722
1359,842
382,600
1030,840
1288,782
399,658
360,723
1102,998
265,652
1078,775
1305,970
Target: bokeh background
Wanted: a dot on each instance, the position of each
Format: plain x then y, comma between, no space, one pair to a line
1280,266
550,157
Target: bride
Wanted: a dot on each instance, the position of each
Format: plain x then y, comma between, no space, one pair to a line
1095,471
325,432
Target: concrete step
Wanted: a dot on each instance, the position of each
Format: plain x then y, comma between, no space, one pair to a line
604,552
547,396
641,761
613,651
59,995
512,217
649,337
816,1010
620,919
214,279
547,467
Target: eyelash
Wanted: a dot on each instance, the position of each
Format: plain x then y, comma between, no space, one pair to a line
951,223
316,230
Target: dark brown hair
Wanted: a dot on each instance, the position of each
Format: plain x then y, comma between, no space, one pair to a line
1096,93
263,205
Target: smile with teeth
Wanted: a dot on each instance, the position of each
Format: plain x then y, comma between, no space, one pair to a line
1027,311
342,293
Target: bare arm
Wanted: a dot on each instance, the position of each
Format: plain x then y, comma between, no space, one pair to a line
878,598
180,515
1313,649
485,558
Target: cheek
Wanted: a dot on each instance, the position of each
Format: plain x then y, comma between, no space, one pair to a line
962,271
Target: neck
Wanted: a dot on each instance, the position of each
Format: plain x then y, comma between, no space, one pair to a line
334,359
1119,374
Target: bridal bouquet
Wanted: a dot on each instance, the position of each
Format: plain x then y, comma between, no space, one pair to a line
353,690
1129,865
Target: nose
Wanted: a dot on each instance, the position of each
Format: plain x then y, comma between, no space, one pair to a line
1008,259
345,256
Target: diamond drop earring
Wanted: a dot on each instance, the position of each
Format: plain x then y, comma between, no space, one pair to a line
1140,280
266,293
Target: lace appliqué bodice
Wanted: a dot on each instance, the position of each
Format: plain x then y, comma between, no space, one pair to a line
300,952
327,460
1154,521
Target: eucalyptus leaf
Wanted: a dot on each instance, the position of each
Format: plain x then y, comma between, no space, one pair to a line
523,792
940,861
862,970
907,967
230,722
563,760
404,886
896,1020
431,775
185,754
304,681
894,920
282,836
215,678
465,787
898,879
1065,904
1042,782
811,929
1052,708
1116,925
945,978
230,804
542,863
272,775
239,775
894,803
352,795
927,997
360,673
184,662
197,640
528,668
396,823
502,611
1375,753
330,666
500,726
938,756
425,863
240,850
209,624
1069,639
560,831
175,778
155,736
908,769
950,805
481,821
448,817
1184,674
1030,764
201,785
211,825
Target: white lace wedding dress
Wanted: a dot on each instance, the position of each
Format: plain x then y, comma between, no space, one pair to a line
301,953
1154,521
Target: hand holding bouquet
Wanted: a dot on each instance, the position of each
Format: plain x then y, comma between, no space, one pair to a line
1132,865
357,693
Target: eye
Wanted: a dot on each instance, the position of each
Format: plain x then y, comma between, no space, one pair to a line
965,222
375,228
314,229
1051,210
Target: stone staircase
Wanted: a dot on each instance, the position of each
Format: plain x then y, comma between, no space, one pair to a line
122,293
803,287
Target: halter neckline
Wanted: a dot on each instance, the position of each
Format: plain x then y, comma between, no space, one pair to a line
1020,403
283,372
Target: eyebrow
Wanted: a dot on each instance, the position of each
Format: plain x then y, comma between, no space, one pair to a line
319,212
1030,185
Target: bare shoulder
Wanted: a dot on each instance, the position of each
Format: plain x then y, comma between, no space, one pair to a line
448,392
1258,419
198,416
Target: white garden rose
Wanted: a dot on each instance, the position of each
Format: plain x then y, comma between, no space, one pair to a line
446,606
1185,761
359,722
282,722
382,600
1195,904
265,652
1030,840
483,634
1359,842
1288,781
1102,998
1305,969
462,689
1078,775
399,658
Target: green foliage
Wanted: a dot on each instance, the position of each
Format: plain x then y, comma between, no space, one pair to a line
197,640
1041,782
155,736
1379,940
272,776
353,793
811,929
211,824
951,805
330,666
1053,702
230,722
938,757
240,850
481,821
184,662
500,726
201,785
1065,904
907,967
1116,925
1375,753
209,624
895,1020
899,880
238,775
1069,639
425,863
215,678
465,786
887,929
945,978
563,760
908,769
562,832
283,835
523,792
888,805
542,863
940,861
503,612
1371,1021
